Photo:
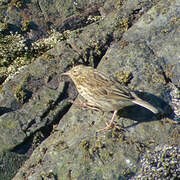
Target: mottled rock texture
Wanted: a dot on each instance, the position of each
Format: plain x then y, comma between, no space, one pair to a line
135,41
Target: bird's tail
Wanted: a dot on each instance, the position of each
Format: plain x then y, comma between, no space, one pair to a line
145,104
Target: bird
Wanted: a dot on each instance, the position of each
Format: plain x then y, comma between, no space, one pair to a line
104,93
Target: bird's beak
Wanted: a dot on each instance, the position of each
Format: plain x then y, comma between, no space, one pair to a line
65,74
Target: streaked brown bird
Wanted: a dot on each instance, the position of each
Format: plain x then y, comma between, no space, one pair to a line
103,93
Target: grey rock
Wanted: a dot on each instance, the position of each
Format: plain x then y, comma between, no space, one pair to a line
75,150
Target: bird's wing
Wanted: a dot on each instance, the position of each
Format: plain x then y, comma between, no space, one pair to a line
104,86
119,91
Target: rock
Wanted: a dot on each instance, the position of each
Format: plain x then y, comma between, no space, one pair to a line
140,46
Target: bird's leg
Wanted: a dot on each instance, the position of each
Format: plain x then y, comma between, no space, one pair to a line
84,104
111,124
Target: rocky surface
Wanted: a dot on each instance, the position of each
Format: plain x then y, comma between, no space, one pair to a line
137,42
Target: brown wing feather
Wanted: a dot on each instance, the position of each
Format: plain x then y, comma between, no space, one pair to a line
105,87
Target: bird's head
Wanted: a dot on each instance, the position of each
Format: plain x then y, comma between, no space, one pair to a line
75,71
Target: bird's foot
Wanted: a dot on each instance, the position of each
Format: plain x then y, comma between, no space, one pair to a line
112,125
108,127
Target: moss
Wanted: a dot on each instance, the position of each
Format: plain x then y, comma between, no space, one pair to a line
75,33
14,52
47,56
124,77
11,46
124,24
85,145
92,19
17,3
4,26
20,94
119,4
25,25
123,44
62,145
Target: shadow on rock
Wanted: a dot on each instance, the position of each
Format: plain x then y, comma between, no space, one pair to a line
141,114
4,110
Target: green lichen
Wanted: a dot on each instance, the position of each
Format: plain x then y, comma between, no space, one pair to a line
11,162
20,93
25,25
45,44
92,52
4,26
75,33
47,56
14,52
11,46
17,3
85,145
92,19
119,4
124,77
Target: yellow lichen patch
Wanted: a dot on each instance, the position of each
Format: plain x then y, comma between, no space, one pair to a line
17,3
14,53
92,19
124,44
124,23
174,20
20,94
47,56
25,26
85,145
124,77
164,31
119,4
169,70
4,26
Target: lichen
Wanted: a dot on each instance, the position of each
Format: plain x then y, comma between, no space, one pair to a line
92,19
25,25
175,100
161,163
3,26
11,46
45,44
14,52
17,3
124,77
20,94
119,4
